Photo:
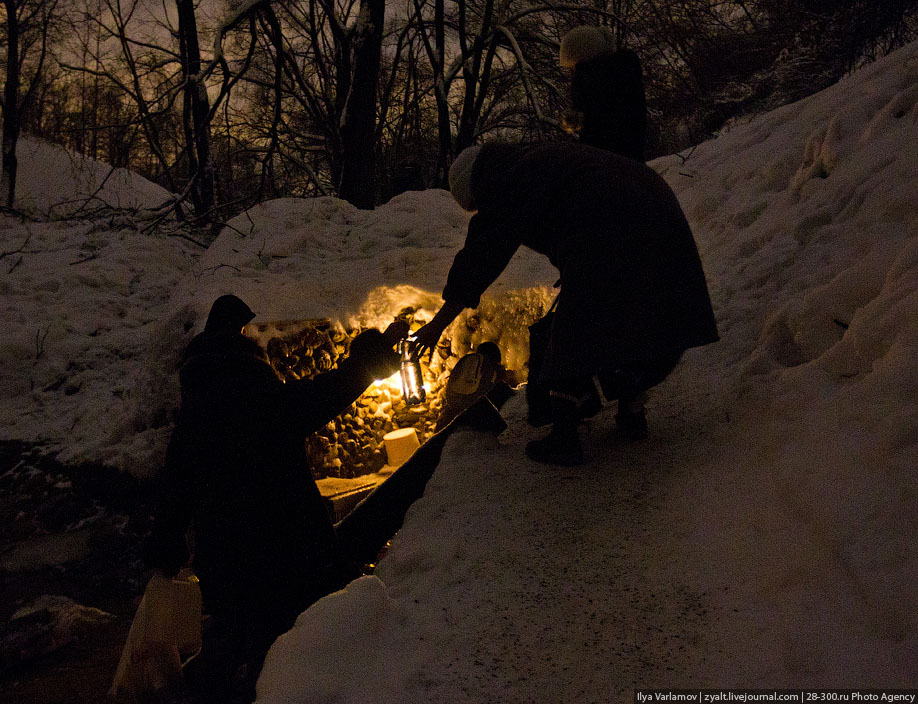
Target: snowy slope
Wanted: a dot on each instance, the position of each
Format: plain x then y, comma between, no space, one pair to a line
54,182
764,538
80,303
809,219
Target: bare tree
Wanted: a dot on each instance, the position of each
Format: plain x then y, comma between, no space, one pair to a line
10,103
358,125
309,97
27,24
195,113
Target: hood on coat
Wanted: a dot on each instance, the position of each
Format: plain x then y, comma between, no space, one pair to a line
228,314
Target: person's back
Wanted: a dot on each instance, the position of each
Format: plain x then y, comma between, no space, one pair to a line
609,91
259,523
236,471
616,232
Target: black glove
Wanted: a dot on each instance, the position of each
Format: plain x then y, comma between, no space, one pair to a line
372,351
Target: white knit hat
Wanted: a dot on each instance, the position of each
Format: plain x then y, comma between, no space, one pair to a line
584,43
460,178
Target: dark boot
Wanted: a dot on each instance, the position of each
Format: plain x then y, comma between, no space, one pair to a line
562,445
539,403
631,420
591,405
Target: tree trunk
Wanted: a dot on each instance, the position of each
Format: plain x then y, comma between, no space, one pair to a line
476,82
437,57
196,114
10,105
358,128
441,92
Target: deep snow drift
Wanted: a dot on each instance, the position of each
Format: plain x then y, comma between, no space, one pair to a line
762,537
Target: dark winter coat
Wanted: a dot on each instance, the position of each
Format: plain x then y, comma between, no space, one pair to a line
609,92
236,469
632,285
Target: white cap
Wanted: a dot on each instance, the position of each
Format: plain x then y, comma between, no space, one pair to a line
584,43
460,178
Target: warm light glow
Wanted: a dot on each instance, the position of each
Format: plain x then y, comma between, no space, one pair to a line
393,384
352,444
384,303
390,383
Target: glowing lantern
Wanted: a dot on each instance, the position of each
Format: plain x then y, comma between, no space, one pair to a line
412,381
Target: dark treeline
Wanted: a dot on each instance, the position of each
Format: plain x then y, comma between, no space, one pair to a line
236,102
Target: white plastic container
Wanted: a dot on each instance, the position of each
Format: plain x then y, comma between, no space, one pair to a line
400,445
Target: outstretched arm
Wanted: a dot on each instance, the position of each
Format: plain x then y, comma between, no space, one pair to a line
427,336
489,245
314,402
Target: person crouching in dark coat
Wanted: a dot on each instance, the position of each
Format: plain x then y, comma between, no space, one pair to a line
607,92
633,293
236,472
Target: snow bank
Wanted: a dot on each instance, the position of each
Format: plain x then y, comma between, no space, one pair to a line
54,182
81,307
99,317
377,618
80,304
809,231
299,258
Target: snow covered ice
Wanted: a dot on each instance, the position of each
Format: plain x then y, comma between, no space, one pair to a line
764,536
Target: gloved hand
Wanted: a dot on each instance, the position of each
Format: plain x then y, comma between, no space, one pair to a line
426,338
396,332
374,351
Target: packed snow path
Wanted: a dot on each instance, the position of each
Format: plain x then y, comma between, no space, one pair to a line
517,582
662,564
550,566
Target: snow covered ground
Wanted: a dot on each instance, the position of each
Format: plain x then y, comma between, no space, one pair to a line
764,536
